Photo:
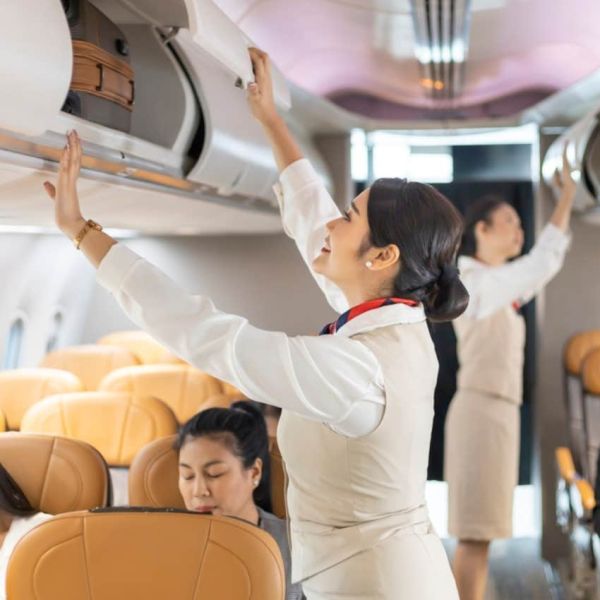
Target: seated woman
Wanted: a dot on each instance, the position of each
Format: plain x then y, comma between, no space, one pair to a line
17,517
224,470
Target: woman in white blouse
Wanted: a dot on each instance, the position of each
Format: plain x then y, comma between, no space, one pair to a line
483,423
358,401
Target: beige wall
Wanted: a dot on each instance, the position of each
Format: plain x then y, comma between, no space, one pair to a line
259,277
571,303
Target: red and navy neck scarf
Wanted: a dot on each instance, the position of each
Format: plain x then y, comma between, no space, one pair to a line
363,308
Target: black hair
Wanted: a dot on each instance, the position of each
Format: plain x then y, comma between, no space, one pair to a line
426,228
243,430
12,498
480,210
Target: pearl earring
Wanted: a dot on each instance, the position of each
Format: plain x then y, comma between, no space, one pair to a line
255,483
369,264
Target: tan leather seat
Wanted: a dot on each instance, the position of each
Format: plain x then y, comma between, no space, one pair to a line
154,472
183,388
3,422
232,392
590,377
575,351
21,388
56,474
147,350
151,555
117,424
90,363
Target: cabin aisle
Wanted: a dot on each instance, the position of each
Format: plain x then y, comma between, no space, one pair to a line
518,573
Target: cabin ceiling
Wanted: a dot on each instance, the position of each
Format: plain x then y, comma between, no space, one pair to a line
427,59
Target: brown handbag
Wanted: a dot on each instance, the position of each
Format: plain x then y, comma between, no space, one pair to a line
99,73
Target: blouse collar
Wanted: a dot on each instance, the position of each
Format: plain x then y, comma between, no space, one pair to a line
394,314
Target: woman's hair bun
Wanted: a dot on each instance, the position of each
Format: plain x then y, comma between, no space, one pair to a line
448,297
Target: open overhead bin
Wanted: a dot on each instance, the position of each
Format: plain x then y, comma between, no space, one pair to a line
155,89
582,141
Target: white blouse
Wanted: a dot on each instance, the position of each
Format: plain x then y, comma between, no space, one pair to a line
332,379
493,288
18,528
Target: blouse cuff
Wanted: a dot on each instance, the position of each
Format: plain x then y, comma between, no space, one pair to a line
555,238
115,267
297,175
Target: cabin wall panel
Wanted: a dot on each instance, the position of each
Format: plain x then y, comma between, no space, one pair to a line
42,275
261,278
571,303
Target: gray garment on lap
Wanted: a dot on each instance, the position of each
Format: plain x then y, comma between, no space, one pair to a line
277,528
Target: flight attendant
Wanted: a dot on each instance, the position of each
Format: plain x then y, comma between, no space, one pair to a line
358,400
483,422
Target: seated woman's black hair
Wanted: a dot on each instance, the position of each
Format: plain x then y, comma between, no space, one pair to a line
427,230
243,430
12,498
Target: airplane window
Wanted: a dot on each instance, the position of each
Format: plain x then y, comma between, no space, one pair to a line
13,345
54,332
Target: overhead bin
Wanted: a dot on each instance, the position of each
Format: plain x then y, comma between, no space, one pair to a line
35,64
583,151
191,131
213,31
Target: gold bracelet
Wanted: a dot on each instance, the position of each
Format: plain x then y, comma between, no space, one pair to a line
89,225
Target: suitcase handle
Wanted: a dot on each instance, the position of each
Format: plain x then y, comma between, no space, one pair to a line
97,72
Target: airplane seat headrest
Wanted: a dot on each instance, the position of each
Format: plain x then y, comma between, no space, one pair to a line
123,554
116,424
591,373
576,349
21,388
90,362
182,387
147,350
153,476
56,474
154,473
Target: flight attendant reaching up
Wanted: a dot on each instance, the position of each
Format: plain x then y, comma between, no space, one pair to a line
358,400
483,424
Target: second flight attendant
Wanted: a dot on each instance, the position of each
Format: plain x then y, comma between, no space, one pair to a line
357,401
483,423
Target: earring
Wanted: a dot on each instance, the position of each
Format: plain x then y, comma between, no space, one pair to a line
256,483
369,264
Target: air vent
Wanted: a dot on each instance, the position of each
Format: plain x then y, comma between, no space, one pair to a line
442,40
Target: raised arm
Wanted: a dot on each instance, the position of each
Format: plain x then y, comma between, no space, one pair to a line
262,104
306,206
492,288
331,379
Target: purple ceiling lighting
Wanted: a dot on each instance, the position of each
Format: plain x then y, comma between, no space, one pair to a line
518,51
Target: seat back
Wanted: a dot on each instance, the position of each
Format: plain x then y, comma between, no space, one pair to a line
56,474
116,424
183,388
21,388
120,555
154,473
590,377
575,351
146,349
90,363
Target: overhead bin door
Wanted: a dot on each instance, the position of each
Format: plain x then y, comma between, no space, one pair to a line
583,151
35,64
235,158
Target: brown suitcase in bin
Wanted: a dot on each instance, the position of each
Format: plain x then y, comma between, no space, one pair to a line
102,87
